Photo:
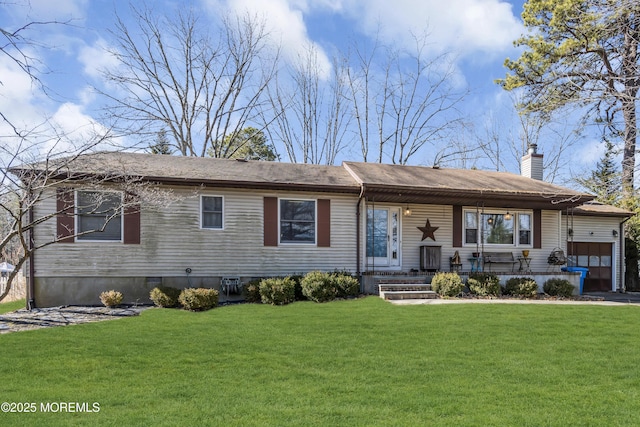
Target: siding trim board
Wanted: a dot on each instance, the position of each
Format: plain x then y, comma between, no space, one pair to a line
65,218
457,226
537,229
270,221
131,226
324,223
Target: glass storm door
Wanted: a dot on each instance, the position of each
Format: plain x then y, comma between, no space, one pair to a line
383,236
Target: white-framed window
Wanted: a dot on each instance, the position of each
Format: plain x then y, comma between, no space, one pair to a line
211,212
297,221
500,228
99,216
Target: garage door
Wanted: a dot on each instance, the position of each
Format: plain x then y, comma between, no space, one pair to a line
597,257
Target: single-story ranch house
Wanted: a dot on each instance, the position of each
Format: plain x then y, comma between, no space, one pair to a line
248,219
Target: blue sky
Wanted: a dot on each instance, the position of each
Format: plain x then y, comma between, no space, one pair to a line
479,33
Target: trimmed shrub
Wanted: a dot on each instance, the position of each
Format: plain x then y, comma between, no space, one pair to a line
165,296
346,285
521,287
299,295
252,291
277,290
484,284
111,298
319,286
447,284
558,287
198,299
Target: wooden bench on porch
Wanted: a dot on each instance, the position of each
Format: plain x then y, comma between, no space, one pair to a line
498,258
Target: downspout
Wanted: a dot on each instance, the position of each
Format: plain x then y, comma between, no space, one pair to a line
358,272
622,262
31,302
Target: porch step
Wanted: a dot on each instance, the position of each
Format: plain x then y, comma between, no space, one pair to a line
398,291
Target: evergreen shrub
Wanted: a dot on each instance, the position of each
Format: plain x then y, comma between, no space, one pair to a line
252,291
484,284
522,287
319,286
277,290
558,287
111,298
198,299
165,296
447,284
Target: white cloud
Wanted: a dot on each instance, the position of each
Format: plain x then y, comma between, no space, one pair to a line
591,152
96,58
460,26
18,94
30,112
78,132
286,25
55,10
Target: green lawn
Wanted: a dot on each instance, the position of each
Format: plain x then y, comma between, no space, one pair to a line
362,362
12,306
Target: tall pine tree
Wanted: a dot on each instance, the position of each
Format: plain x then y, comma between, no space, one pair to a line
605,181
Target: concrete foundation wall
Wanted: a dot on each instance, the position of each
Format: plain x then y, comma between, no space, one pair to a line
54,292
370,282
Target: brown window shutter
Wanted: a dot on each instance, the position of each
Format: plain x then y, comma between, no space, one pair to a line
457,226
132,224
271,221
65,227
537,229
324,223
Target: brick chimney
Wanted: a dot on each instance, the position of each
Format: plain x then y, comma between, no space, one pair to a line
531,163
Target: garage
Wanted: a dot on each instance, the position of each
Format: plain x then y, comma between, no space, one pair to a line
598,258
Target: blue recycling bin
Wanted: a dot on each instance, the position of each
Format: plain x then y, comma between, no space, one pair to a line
583,273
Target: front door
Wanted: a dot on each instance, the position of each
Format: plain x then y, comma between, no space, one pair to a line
383,237
597,257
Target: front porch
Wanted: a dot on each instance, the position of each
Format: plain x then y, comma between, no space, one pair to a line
408,280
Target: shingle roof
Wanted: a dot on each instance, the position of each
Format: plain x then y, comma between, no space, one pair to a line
399,183
379,182
600,209
183,170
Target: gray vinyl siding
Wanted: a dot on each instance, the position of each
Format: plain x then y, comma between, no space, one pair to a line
441,216
172,241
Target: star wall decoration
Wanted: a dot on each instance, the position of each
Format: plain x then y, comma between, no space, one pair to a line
428,231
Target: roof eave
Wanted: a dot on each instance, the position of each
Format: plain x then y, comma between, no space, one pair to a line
190,182
487,198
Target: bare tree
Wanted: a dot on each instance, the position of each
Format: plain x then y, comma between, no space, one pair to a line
110,192
462,151
312,113
407,103
507,135
174,75
35,160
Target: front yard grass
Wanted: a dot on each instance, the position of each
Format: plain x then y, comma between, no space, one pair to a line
6,307
360,362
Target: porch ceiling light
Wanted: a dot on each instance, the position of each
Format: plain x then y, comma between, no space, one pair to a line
407,211
507,216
